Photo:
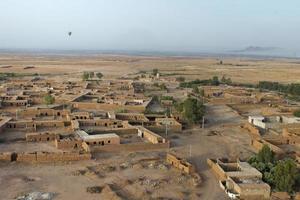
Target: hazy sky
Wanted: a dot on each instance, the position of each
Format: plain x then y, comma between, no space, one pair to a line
177,25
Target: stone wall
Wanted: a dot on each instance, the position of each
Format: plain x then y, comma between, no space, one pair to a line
216,169
21,125
68,143
150,136
258,144
100,122
251,191
38,112
180,164
49,123
41,137
27,157
290,134
44,156
130,147
62,156
107,107
119,131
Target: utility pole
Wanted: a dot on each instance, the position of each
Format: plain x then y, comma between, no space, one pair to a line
166,130
203,122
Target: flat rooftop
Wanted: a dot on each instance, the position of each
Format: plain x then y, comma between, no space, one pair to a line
85,136
100,136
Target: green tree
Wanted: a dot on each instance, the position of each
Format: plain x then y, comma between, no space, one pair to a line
193,110
201,92
223,79
285,175
297,113
99,75
180,79
88,75
195,89
265,155
49,99
85,76
215,80
154,71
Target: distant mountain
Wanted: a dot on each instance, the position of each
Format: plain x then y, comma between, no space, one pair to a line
258,49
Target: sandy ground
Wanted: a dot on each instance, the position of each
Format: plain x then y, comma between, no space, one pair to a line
240,70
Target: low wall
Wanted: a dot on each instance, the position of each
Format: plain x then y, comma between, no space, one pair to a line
162,129
118,131
290,135
217,170
6,156
180,164
61,156
258,144
27,157
107,107
130,147
41,137
49,123
150,136
51,156
68,143
251,191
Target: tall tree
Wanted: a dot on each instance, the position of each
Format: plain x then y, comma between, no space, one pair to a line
193,110
285,175
265,155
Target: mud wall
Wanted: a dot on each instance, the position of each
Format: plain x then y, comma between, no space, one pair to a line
44,156
130,147
107,107
180,164
41,137
217,170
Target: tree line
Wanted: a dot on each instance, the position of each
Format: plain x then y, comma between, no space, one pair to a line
290,89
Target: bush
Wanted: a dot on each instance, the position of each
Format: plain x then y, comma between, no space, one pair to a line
297,113
99,75
48,99
195,89
154,72
180,79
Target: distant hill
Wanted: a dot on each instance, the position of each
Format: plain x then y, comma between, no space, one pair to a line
258,49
